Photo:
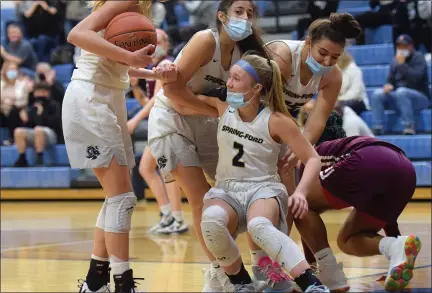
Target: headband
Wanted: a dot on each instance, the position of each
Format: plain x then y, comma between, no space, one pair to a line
249,69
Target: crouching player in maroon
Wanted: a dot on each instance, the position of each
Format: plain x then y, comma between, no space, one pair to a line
378,180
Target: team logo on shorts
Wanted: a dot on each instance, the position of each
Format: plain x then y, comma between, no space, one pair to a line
92,152
161,161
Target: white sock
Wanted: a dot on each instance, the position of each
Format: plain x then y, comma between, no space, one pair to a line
165,209
325,258
118,266
99,258
385,245
178,216
256,256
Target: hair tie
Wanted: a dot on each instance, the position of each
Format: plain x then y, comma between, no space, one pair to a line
249,69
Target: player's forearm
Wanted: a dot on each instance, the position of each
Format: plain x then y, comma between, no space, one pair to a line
310,173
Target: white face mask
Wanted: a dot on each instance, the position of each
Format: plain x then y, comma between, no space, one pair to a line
403,52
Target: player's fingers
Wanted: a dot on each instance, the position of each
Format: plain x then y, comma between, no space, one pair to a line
290,202
295,206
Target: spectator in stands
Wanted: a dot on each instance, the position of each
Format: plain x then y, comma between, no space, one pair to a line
45,73
406,89
353,91
42,125
44,24
18,50
381,13
14,97
316,9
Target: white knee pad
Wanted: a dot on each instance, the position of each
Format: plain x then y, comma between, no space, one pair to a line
100,222
119,213
278,245
217,237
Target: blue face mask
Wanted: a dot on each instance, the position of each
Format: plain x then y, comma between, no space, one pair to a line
238,29
315,67
237,100
12,74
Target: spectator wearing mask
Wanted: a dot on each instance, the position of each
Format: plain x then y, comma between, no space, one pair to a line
18,50
316,9
14,97
45,73
406,90
42,125
353,91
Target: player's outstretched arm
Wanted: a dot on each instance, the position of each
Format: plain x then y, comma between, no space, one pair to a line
214,102
283,128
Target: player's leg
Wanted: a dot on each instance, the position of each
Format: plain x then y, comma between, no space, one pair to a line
263,216
178,226
147,169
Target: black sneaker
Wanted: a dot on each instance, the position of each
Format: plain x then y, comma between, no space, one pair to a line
21,162
409,130
377,131
125,283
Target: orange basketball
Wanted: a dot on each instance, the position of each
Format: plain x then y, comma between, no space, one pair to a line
131,31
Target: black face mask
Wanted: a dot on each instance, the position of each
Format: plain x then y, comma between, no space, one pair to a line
41,99
41,76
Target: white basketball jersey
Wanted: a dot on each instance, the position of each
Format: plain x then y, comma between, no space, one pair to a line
247,152
209,76
296,94
102,71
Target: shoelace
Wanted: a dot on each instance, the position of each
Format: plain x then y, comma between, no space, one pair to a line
131,287
244,288
81,284
274,272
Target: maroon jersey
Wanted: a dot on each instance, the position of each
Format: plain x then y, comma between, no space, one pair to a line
333,151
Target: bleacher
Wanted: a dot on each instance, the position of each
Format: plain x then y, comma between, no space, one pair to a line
373,59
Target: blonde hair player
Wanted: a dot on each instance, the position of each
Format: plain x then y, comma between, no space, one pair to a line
184,144
249,196
96,135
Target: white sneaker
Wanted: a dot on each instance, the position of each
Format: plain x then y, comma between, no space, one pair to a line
334,278
176,227
402,255
165,221
256,286
211,282
84,287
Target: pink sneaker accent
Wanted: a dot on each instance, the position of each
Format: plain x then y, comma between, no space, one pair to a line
272,270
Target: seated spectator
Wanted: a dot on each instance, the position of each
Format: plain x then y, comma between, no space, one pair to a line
18,50
44,24
353,91
406,90
382,13
45,73
14,97
42,125
316,9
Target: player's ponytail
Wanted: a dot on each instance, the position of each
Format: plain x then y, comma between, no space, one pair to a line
145,6
270,78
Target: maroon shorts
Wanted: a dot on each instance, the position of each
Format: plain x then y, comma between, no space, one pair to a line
376,180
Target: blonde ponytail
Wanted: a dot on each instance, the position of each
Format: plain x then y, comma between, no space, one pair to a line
145,6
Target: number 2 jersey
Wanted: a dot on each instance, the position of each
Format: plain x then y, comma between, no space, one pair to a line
247,152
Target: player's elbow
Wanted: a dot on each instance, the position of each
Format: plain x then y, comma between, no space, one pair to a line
72,36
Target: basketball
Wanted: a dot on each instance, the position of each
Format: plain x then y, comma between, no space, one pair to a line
131,31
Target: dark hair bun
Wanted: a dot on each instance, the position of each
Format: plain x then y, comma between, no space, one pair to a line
346,24
333,129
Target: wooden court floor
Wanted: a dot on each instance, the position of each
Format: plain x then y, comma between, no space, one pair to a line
45,247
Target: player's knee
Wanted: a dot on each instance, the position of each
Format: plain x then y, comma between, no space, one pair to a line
257,226
217,237
119,213
342,243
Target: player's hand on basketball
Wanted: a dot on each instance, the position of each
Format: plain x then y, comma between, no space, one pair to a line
166,73
298,204
142,57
